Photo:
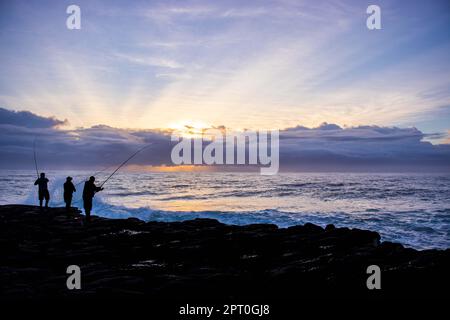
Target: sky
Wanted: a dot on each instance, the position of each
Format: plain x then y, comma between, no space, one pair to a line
139,69
327,147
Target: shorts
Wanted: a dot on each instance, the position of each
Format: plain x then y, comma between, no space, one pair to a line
44,194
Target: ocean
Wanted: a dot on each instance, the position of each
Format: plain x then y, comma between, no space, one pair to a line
413,209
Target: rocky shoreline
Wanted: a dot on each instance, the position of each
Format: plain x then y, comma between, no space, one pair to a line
203,259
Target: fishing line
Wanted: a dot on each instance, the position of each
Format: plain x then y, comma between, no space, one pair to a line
123,163
94,174
120,166
35,161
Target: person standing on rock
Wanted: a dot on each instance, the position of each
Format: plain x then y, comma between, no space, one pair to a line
88,194
42,183
69,189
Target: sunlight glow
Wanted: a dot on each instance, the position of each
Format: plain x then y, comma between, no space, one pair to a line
189,128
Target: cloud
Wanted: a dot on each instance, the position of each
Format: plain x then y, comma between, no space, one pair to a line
168,13
173,76
254,64
28,119
149,61
327,147
362,148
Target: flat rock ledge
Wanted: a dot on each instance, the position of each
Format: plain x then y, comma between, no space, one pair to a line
204,259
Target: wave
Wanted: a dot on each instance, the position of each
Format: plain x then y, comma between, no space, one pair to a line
396,227
411,212
391,226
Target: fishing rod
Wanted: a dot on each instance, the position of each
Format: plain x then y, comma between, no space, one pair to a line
123,163
94,174
35,161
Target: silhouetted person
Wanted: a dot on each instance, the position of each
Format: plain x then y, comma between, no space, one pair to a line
69,189
43,190
88,194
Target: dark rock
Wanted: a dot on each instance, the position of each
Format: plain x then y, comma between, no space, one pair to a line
204,258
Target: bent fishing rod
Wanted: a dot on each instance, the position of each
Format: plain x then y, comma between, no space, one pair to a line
123,163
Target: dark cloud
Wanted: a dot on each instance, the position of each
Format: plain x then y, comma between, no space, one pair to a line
325,148
27,119
97,146
363,148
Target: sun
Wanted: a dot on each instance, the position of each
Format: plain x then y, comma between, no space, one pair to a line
189,128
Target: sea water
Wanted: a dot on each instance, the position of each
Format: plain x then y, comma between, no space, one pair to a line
413,209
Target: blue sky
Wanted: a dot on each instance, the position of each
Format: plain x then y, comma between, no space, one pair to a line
262,64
